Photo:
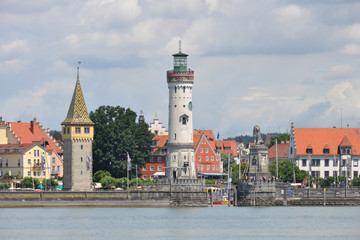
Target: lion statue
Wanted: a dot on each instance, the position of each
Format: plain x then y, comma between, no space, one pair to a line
257,135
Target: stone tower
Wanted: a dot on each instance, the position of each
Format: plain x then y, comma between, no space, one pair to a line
180,162
78,135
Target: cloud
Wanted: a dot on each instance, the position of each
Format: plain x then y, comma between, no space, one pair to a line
14,49
352,32
292,18
104,13
351,49
340,71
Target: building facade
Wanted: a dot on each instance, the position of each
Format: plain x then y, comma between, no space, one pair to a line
24,160
19,135
326,152
77,135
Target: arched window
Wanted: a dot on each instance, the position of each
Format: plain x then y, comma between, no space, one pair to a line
184,119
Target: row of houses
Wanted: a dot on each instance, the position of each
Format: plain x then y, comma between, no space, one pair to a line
206,148
28,150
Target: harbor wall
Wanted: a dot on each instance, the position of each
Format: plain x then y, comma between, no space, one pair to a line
272,193
105,198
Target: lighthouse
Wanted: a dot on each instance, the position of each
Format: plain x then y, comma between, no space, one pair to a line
180,162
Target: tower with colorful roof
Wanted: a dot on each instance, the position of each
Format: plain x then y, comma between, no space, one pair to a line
78,135
180,156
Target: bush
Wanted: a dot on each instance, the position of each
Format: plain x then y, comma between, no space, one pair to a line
46,183
100,174
108,182
356,181
28,182
4,186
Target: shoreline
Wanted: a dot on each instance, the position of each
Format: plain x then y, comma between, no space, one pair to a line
69,204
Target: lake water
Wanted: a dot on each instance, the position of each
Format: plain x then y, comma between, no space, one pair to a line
181,223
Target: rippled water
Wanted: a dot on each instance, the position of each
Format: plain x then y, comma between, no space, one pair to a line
181,223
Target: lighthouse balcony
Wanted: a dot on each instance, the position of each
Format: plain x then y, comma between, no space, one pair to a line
183,76
173,73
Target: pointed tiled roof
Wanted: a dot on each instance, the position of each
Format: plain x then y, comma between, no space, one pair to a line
77,113
345,141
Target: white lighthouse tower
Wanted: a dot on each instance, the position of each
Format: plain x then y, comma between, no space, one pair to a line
180,148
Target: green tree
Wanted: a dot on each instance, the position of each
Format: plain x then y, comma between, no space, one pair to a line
225,160
108,182
356,181
286,172
116,134
100,174
46,183
28,182
235,172
280,138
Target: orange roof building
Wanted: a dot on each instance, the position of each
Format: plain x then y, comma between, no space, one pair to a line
23,135
326,151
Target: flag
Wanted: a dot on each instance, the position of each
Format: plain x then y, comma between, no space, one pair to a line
42,161
218,135
88,162
128,162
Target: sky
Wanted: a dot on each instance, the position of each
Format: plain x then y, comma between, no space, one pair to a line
263,62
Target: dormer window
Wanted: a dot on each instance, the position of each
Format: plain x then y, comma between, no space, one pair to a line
309,149
326,151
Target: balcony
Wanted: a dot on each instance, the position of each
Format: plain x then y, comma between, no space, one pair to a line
174,76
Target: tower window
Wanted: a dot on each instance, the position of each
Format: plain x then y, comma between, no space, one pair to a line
175,137
68,130
183,89
81,159
87,130
184,119
81,147
64,130
77,130
175,89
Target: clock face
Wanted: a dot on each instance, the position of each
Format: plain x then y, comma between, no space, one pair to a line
190,106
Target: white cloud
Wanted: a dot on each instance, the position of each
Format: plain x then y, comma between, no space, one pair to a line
351,49
14,48
352,32
293,18
340,71
102,13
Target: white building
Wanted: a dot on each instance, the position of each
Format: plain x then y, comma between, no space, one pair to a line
326,151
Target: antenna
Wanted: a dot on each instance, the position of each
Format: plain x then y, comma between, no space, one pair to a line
179,45
78,69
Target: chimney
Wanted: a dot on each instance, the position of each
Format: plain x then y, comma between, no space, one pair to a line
32,127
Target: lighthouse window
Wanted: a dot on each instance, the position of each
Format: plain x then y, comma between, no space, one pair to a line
184,119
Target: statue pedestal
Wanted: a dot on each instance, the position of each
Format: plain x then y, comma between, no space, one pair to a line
259,163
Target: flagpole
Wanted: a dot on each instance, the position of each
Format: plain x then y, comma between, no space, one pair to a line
136,177
127,173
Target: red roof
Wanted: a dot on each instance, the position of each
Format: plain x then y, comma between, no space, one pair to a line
282,150
208,133
319,138
29,133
